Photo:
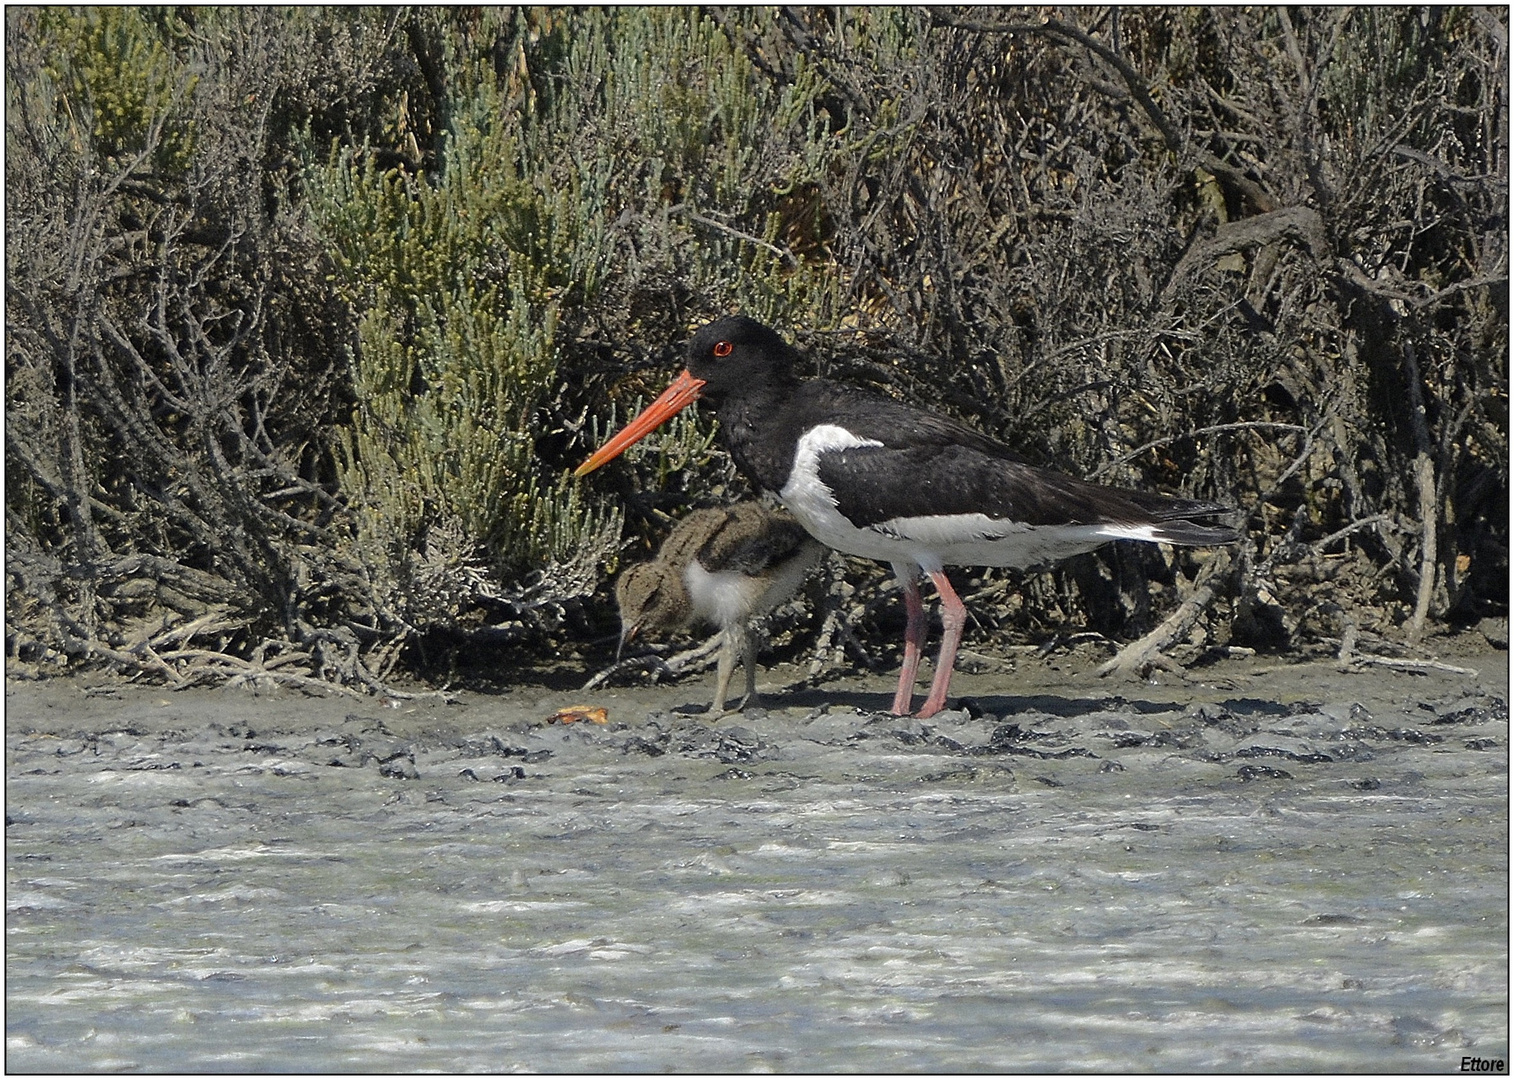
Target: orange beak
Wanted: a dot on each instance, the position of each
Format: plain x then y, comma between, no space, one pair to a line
683,393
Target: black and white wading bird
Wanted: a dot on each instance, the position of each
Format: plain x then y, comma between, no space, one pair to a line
876,478
726,566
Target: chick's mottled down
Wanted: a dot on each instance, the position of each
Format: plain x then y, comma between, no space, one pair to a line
724,566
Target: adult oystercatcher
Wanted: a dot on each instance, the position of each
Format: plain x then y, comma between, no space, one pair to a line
874,477
727,566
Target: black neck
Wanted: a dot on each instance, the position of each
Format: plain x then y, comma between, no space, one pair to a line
747,417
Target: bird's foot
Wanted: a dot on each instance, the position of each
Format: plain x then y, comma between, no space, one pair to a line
720,708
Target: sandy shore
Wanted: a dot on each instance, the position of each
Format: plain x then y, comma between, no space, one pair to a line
1263,867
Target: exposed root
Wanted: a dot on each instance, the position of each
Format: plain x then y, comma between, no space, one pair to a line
338,670
835,640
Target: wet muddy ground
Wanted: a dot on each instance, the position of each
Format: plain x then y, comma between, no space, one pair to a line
1262,868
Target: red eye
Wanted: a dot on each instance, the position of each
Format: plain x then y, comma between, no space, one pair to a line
722,348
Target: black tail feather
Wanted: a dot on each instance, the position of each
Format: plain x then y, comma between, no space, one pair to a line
1192,534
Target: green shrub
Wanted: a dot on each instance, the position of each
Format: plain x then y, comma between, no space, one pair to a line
471,275
119,66
458,281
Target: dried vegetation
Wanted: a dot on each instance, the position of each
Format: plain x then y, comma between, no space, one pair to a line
310,311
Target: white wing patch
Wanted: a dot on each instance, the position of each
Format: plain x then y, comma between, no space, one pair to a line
948,530
822,439
980,540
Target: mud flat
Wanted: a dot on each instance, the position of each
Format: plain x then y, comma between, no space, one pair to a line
1262,868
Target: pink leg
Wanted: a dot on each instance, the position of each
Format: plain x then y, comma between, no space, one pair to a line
953,619
914,634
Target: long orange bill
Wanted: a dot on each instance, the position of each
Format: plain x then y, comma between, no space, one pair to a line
683,393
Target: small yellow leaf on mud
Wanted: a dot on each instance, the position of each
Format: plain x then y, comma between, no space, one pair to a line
592,713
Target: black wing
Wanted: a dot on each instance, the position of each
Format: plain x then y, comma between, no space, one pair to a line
873,484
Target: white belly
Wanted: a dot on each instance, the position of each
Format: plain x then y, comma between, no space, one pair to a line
721,597
726,598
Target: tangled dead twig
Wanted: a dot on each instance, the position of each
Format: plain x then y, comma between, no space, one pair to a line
1348,659
1139,657
699,658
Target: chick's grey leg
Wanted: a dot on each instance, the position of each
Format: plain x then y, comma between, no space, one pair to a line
749,656
724,669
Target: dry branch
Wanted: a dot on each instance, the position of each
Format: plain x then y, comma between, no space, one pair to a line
700,658
1411,665
1135,660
